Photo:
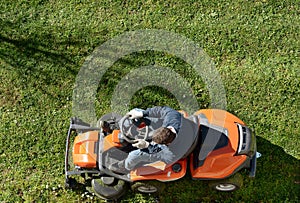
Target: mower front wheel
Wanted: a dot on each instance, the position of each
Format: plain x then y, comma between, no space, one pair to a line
70,183
150,187
227,185
109,188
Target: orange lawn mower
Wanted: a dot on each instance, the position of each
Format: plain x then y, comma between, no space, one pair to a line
213,145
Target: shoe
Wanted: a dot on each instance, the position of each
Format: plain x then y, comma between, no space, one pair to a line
119,167
121,164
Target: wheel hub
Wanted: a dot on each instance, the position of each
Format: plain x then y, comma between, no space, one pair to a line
225,187
147,189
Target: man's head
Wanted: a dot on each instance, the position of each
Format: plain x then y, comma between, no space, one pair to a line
163,135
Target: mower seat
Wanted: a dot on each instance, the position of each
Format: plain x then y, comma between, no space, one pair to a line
186,139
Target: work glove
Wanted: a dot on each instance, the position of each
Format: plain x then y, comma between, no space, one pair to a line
135,113
141,144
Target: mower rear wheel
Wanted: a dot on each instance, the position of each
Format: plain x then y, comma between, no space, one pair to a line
111,191
227,185
150,187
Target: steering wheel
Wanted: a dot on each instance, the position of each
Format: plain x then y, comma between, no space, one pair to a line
128,139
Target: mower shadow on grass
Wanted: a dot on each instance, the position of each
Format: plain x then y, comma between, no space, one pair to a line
277,179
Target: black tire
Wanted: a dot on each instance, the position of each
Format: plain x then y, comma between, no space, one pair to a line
70,183
148,187
229,184
109,192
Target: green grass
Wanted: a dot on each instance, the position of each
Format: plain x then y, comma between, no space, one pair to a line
254,44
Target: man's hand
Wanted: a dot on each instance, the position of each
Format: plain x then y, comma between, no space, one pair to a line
135,113
141,144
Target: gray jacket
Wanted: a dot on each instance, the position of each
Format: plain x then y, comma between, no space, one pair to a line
163,116
156,117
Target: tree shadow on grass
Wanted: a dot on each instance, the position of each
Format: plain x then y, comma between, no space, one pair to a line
277,180
41,62
24,55
33,46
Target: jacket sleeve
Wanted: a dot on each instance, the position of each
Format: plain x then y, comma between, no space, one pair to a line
170,116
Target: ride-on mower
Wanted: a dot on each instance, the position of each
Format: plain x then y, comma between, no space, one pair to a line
212,145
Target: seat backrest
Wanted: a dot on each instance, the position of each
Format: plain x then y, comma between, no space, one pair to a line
186,138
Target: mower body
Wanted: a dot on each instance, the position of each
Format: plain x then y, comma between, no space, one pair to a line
214,145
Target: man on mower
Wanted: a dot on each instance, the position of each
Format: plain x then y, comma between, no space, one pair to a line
177,136
164,123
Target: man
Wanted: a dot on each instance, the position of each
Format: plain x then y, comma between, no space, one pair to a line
157,150
165,123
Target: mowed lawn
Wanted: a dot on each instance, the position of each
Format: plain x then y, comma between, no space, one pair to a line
43,44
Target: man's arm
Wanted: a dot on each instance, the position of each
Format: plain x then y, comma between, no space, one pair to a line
170,116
